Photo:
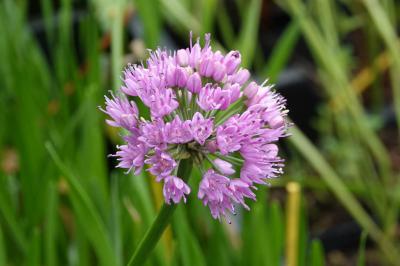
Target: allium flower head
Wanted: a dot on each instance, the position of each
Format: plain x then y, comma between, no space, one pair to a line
203,106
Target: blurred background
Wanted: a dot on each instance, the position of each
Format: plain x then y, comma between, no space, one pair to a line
337,63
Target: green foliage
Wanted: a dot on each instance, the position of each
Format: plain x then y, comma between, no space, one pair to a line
361,250
317,254
65,205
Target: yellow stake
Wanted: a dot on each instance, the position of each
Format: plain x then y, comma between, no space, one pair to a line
292,223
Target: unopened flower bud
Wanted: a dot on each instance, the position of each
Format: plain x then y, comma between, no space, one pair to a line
241,76
181,77
232,61
219,72
234,93
251,90
194,83
206,68
224,167
171,80
182,57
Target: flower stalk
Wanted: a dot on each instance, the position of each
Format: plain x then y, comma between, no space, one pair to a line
153,235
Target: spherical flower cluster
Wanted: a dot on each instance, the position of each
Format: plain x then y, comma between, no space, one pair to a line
202,106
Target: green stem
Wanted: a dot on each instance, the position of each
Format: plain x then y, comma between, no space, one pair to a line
149,241
234,108
231,159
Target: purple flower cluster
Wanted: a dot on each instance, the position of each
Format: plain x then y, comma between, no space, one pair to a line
201,106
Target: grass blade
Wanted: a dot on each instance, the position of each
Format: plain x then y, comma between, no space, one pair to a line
361,249
115,211
149,12
282,51
117,43
178,15
388,33
153,234
86,213
33,258
317,161
317,254
3,252
277,235
51,226
189,249
208,10
12,222
248,36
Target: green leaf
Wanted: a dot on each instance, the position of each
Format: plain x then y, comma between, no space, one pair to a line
115,225
13,225
276,242
87,215
282,51
248,37
117,43
225,26
153,234
317,254
303,235
150,15
389,34
208,10
189,249
256,243
318,162
339,85
361,249
3,252
33,258
177,14
47,14
51,226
